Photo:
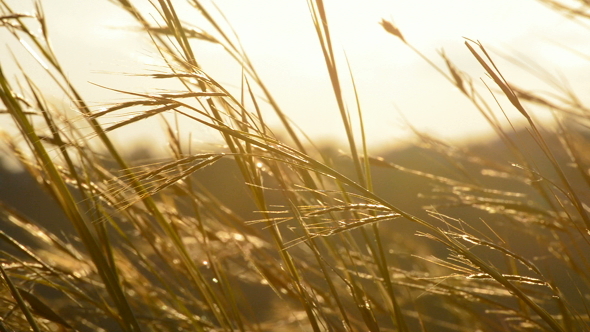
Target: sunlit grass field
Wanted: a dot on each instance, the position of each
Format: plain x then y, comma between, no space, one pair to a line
494,238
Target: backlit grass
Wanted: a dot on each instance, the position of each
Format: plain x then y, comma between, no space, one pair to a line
500,244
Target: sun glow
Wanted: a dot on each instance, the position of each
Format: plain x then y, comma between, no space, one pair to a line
394,83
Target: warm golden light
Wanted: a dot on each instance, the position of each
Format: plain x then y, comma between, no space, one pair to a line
98,43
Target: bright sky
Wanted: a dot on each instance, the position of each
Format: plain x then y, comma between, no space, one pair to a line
93,42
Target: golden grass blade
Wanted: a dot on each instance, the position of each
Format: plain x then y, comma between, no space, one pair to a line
42,309
69,205
19,300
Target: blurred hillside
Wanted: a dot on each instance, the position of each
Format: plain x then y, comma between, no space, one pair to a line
408,177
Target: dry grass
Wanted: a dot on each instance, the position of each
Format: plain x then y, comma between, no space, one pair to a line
154,250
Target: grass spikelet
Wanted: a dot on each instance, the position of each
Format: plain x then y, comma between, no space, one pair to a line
392,29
